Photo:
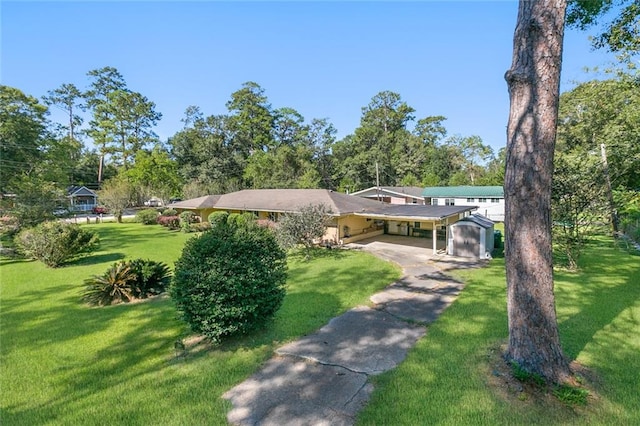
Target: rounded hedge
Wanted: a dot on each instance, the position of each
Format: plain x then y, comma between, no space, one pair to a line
147,216
229,280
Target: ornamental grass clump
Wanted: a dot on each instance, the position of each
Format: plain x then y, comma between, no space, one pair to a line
230,280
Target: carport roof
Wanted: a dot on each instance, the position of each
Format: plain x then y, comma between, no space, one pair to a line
416,212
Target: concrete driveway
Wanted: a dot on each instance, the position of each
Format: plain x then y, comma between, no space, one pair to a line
323,378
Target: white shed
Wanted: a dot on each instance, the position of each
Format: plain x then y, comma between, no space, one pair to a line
471,237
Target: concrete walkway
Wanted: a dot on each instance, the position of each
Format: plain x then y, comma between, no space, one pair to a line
322,378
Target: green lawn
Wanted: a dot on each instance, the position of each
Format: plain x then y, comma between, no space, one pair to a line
445,378
64,363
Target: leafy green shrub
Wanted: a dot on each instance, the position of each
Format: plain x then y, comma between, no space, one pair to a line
200,226
54,243
112,287
127,280
217,218
186,219
171,222
229,280
169,212
147,216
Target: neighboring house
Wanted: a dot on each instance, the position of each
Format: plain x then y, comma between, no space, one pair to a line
81,198
489,200
393,194
353,218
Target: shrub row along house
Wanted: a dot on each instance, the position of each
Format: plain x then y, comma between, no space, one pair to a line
353,218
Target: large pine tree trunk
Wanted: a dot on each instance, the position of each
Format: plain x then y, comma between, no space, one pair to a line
534,86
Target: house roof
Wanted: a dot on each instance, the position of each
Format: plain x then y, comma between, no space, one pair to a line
464,191
206,202
291,200
400,191
80,191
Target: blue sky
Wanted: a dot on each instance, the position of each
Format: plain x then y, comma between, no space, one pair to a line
325,59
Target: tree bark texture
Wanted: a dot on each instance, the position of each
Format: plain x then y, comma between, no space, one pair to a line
534,86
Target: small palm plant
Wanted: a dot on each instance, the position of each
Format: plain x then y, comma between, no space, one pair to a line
112,287
151,277
127,280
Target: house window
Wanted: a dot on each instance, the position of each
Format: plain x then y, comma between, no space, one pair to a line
449,202
416,225
414,201
495,200
434,201
273,216
482,200
471,200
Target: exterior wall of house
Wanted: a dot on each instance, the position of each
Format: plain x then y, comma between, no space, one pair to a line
204,214
492,208
405,200
356,226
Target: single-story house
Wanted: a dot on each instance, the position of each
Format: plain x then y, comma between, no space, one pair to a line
353,218
393,194
488,199
81,198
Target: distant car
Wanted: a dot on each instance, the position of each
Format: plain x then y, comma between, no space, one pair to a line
154,202
99,210
61,212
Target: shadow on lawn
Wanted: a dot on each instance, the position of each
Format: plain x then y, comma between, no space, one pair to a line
598,298
140,361
85,383
94,259
144,358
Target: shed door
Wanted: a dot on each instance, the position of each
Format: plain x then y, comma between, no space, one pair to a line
467,239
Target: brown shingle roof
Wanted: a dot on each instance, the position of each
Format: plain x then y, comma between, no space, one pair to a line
291,200
206,202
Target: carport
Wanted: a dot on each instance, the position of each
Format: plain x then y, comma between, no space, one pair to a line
420,220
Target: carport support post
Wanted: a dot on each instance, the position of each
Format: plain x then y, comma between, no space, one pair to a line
434,235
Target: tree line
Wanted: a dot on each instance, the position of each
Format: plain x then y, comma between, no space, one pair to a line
107,131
